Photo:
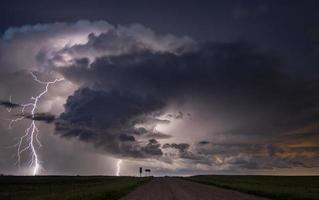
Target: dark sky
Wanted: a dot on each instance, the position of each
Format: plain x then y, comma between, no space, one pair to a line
183,87
203,20
288,27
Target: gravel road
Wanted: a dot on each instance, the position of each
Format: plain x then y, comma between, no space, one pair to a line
178,189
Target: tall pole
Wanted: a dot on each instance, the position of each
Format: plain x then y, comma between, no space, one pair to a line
141,171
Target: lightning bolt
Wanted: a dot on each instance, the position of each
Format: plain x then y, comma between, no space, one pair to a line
118,167
31,133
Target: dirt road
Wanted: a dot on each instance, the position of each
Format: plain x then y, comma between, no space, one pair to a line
179,189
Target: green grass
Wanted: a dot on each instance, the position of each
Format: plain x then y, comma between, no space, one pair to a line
274,187
66,187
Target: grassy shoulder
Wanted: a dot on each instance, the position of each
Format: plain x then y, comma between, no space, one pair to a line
274,187
67,188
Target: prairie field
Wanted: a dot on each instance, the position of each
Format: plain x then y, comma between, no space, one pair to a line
66,187
273,187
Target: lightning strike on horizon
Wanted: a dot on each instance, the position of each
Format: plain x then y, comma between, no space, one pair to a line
32,132
118,167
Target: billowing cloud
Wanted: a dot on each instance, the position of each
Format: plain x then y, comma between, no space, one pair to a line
233,81
41,46
233,76
108,120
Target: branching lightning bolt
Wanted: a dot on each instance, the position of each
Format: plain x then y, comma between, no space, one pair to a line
31,133
118,167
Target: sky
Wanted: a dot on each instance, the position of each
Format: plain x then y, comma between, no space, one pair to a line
179,87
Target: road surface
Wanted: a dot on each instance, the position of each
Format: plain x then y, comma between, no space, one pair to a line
179,189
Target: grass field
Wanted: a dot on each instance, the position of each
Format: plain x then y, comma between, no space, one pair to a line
66,187
274,187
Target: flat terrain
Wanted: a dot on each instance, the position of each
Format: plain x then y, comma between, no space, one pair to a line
179,189
66,187
274,187
165,188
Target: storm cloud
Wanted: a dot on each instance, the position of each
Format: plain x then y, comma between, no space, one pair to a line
235,80
236,77
108,120
9,104
45,117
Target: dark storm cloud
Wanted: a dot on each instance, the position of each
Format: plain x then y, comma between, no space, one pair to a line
245,84
203,142
184,152
153,148
235,76
45,117
114,143
108,110
9,104
181,146
107,120
124,137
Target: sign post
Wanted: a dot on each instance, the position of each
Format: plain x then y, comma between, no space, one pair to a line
141,171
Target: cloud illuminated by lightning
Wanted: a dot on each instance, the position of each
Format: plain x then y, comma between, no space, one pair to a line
31,133
118,167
